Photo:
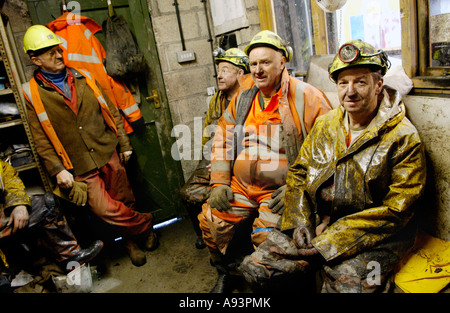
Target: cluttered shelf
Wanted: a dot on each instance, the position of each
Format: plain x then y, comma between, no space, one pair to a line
16,142
19,156
25,167
10,123
6,91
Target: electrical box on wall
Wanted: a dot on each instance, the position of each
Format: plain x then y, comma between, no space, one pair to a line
210,91
185,56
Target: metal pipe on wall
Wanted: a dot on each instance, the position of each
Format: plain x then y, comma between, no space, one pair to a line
180,29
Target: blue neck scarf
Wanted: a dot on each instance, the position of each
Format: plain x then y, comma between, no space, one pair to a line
59,79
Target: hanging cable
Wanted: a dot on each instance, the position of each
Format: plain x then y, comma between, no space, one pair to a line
209,34
175,3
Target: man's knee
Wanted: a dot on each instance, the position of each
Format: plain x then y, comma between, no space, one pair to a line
44,206
356,275
195,194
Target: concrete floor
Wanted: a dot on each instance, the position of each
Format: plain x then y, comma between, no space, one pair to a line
176,266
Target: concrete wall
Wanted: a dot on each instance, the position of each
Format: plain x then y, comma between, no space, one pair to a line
187,83
431,117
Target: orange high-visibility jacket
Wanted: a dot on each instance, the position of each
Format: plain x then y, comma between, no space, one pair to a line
31,92
299,104
82,50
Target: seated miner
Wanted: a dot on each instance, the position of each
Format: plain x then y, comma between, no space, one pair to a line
20,214
256,139
80,138
231,66
353,190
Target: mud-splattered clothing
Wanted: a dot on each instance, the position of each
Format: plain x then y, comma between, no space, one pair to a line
376,183
43,214
252,148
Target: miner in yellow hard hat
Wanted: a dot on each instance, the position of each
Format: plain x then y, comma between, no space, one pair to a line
234,56
39,38
257,138
232,65
79,136
353,190
357,53
267,38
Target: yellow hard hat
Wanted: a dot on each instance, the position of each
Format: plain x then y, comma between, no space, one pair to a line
358,53
267,38
234,56
39,37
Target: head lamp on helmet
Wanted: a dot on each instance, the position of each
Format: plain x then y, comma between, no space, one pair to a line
234,56
357,53
350,52
266,38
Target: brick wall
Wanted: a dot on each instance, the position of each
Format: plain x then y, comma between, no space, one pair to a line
186,83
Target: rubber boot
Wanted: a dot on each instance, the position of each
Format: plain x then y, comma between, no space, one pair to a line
136,255
200,243
151,241
223,284
225,281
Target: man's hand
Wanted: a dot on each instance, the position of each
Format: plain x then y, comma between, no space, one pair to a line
64,179
323,225
19,218
277,204
302,237
220,197
310,251
78,194
125,156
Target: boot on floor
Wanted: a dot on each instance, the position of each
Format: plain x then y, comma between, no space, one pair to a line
135,253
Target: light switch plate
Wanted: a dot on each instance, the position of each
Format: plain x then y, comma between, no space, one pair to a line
185,56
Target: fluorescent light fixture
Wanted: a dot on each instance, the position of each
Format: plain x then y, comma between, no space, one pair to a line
167,223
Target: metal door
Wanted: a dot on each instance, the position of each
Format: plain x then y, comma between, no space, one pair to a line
155,176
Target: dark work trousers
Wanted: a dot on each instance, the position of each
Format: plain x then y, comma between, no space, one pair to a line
196,191
51,225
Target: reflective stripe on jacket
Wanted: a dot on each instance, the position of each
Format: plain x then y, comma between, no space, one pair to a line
82,50
31,92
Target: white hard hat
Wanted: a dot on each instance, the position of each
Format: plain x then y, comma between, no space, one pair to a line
331,5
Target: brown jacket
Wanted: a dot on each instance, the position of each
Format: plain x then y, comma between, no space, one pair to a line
87,139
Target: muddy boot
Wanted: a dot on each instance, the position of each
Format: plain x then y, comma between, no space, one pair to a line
200,243
225,284
151,241
136,255
85,255
225,281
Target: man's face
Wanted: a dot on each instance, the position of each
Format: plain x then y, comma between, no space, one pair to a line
227,76
266,65
51,61
358,91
